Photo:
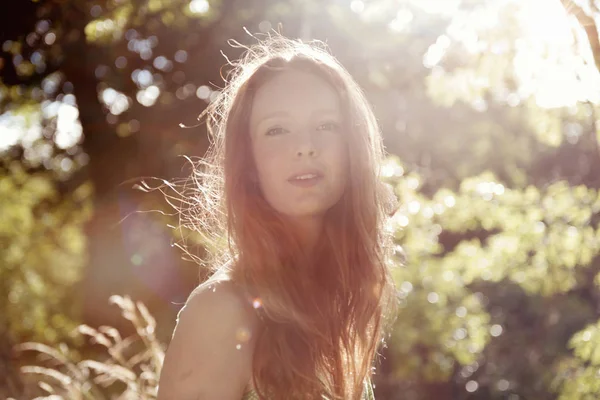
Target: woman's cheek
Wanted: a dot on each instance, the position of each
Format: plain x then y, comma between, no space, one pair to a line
263,154
271,166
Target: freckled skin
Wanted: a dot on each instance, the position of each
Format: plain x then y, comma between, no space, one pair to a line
302,135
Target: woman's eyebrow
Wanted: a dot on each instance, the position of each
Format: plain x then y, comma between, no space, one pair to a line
327,111
272,115
283,113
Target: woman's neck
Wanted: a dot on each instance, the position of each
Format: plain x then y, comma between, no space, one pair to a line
308,231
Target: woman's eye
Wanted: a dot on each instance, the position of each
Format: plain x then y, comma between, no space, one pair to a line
275,131
328,126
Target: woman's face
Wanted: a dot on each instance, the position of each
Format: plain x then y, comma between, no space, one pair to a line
298,144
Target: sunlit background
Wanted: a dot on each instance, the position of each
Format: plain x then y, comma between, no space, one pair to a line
489,111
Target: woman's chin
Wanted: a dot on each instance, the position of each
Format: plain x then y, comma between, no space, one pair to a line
306,212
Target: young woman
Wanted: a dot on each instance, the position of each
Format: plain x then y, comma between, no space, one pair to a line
301,296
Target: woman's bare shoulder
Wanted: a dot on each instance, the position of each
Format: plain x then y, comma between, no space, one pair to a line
210,354
223,299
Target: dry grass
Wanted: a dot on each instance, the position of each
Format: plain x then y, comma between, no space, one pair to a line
130,370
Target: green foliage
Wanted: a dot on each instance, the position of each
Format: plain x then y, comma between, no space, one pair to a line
494,130
535,238
43,252
110,27
498,226
577,377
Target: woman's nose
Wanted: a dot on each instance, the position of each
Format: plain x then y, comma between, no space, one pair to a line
306,152
307,146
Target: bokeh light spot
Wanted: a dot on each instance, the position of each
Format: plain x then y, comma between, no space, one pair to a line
357,6
148,96
496,330
264,26
7,46
115,101
406,287
101,71
143,78
137,259
134,125
121,62
180,56
449,201
68,127
66,164
214,95
68,87
111,118
257,303
433,297
203,92
402,220
242,334
471,386
412,183
448,276
162,63
428,212
32,39
95,11
587,335
42,26
199,6
503,385
414,206
460,334
123,130
131,34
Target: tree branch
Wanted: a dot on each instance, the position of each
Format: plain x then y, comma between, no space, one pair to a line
588,24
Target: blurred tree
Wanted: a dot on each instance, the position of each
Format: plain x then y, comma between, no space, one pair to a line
490,109
71,72
96,57
527,220
43,254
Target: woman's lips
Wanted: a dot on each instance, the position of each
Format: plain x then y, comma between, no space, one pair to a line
306,182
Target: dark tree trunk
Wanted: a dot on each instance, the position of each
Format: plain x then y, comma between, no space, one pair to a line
111,159
121,261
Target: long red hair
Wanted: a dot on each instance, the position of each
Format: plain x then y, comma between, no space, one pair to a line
325,314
